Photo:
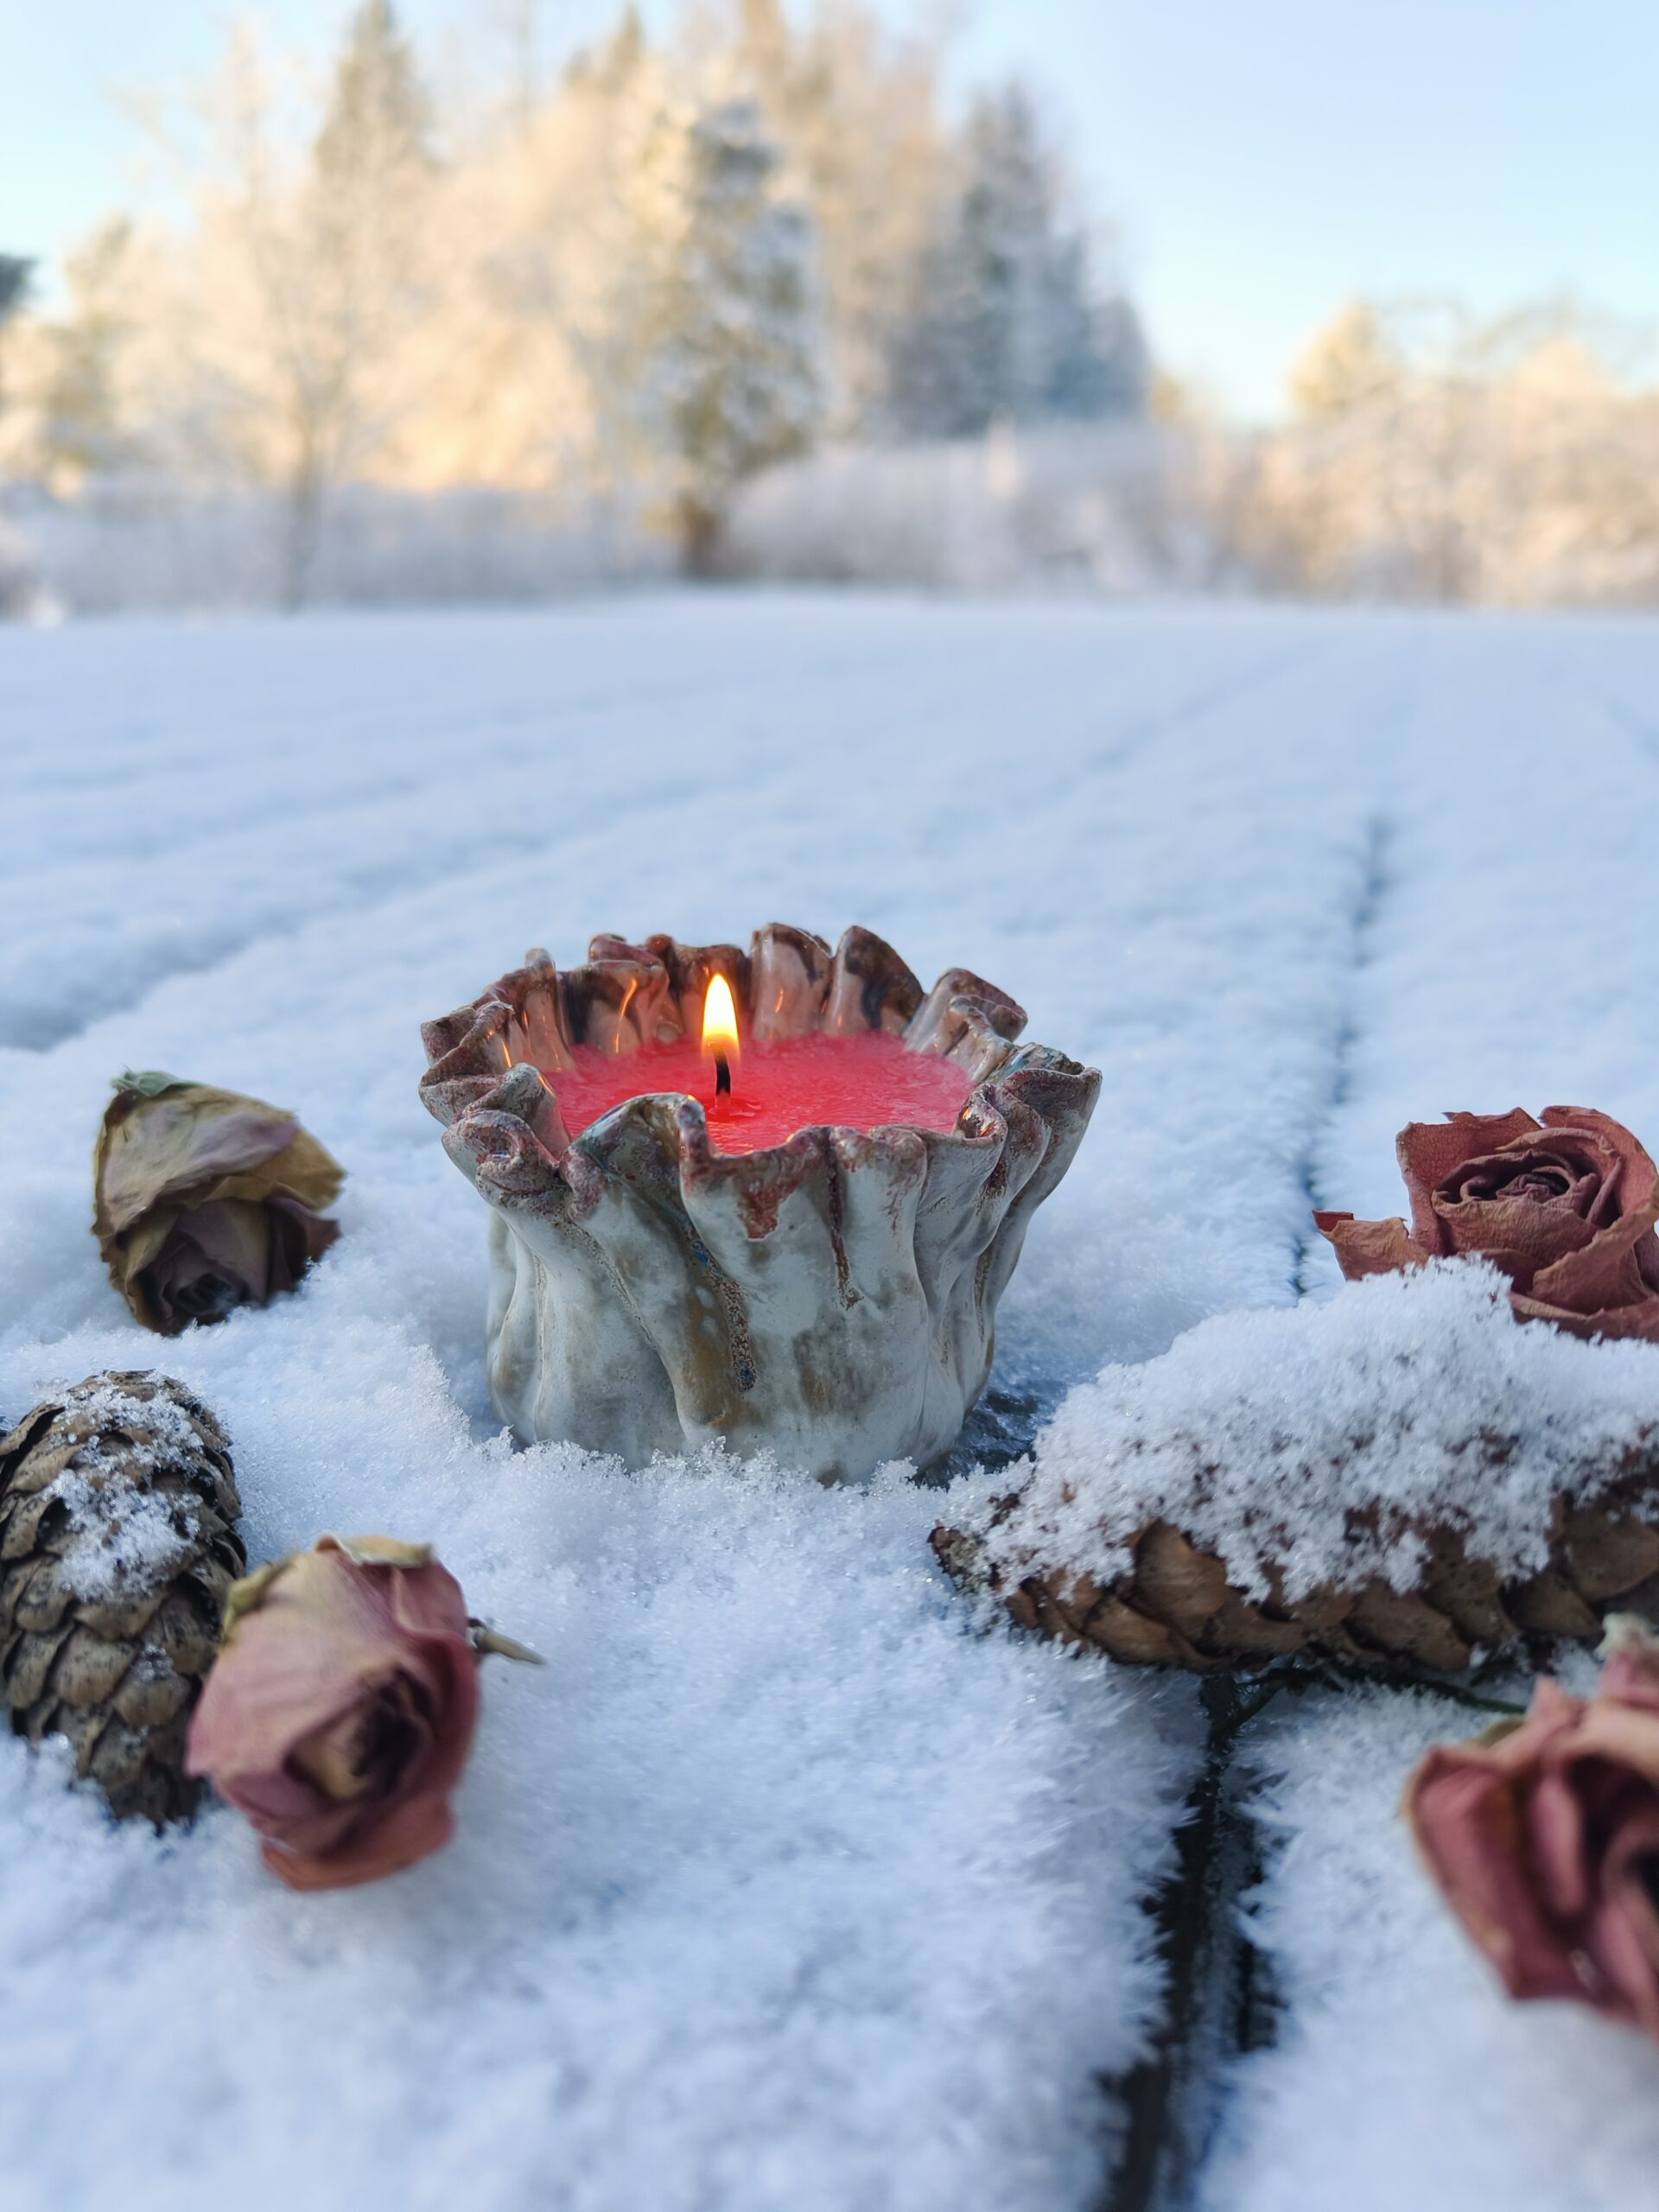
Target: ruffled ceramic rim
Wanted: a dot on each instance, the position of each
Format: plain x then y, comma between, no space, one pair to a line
486,1059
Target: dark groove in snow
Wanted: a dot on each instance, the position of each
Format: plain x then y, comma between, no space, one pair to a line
1362,927
1221,2002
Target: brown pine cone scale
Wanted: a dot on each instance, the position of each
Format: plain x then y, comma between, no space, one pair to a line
117,1545
1177,1608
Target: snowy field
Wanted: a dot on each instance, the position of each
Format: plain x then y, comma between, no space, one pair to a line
780,1886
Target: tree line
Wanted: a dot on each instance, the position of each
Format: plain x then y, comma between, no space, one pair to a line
1432,454
630,290
677,262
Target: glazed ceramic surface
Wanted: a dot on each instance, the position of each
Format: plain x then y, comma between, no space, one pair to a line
832,1300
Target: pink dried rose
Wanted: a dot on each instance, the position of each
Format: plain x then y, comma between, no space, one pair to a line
205,1201
341,1710
1543,1837
1564,1206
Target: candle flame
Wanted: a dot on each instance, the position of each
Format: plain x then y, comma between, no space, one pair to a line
622,1012
720,1019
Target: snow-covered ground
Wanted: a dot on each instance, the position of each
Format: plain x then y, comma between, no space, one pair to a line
781,1886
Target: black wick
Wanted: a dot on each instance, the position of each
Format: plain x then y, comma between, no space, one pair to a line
723,1075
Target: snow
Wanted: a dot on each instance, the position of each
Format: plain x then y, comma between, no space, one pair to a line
773,1888
1506,955
122,1533
1325,1440
781,1884
1401,2076
1097,507
138,1539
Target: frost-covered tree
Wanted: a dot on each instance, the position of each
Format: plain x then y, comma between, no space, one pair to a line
615,62
78,399
548,281
856,107
15,269
631,283
1007,321
287,332
363,264
1434,455
729,332
1352,363
376,101
16,272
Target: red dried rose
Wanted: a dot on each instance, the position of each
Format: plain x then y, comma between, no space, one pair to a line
1565,1207
1543,1837
341,1710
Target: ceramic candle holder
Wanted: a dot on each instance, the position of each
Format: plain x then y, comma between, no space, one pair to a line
832,1298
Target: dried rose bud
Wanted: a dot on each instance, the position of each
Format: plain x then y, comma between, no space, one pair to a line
205,1200
1543,1836
340,1709
1565,1207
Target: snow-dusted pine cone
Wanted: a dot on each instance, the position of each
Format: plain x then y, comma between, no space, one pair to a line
117,1544
1403,1478
1176,1605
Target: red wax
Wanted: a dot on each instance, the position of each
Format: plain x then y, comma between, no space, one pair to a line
860,1082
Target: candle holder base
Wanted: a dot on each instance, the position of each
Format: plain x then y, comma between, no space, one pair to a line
832,1300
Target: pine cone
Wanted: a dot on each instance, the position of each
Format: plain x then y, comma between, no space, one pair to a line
1175,1607
117,1544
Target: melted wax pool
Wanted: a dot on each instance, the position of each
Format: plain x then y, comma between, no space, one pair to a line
799,1083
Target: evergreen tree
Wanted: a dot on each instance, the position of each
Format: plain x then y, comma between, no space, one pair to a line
15,274
1007,323
80,428
610,66
731,333
378,109
856,107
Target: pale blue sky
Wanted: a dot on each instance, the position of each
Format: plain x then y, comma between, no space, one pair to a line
1263,159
